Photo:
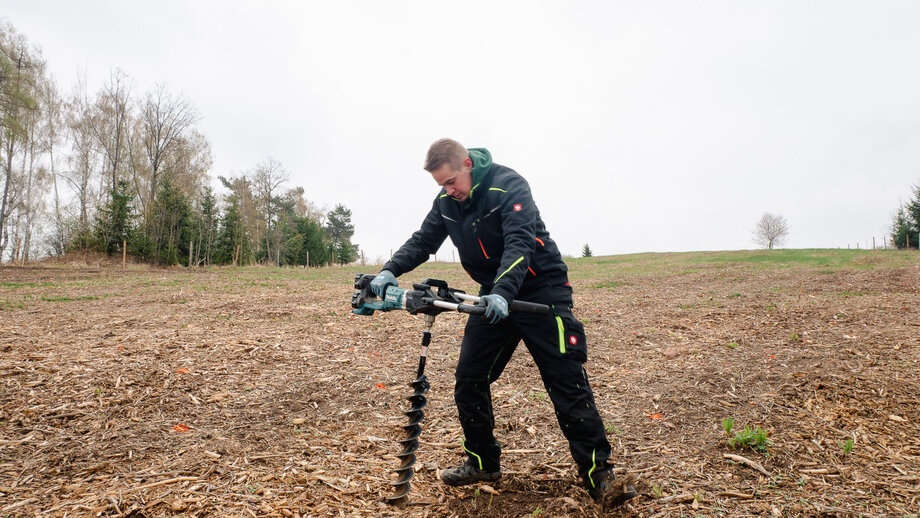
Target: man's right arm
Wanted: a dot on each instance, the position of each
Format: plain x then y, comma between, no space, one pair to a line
424,242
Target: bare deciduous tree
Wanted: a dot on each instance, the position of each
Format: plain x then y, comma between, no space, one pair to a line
771,231
164,120
188,162
83,159
267,179
53,106
21,68
35,177
109,123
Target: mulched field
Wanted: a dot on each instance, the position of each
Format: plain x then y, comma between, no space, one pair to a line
255,392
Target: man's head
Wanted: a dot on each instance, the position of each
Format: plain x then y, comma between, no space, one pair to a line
449,164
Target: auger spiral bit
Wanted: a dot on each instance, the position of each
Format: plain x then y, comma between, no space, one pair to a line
413,429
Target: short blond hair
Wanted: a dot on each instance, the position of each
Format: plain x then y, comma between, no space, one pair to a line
445,151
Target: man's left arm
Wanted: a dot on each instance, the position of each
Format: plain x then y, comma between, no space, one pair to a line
519,224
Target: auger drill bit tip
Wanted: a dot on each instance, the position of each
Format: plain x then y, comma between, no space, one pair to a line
413,429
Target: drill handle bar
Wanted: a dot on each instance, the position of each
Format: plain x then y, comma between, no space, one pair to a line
520,306
431,297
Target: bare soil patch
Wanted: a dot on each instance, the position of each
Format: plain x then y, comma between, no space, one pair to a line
255,392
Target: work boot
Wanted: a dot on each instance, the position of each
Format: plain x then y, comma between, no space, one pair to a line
608,491
468,473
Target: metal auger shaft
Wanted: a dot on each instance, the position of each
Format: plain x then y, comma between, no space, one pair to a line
413,429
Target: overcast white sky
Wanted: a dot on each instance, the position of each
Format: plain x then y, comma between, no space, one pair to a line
641,126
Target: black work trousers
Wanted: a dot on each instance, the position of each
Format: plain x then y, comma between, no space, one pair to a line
557,344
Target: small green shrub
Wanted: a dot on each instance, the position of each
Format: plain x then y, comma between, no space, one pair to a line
754,438
727,425
847,446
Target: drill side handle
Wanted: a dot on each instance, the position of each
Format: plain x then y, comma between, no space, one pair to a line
521,306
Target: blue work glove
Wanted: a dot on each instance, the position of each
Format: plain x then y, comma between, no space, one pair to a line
381,281
496,308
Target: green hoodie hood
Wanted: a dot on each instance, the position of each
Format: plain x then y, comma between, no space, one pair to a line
482,162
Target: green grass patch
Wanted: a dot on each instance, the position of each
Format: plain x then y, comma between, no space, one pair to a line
6,304
28,284
68,299
847,293
828,260
646,267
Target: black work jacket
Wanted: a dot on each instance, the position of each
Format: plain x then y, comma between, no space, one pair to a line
502,241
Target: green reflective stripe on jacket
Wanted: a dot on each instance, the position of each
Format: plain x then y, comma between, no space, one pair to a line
561,334
497,189
510,267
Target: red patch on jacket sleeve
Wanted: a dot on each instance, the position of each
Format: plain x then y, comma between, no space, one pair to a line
517,207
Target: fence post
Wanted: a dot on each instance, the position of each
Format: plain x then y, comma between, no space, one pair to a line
124,254
307,263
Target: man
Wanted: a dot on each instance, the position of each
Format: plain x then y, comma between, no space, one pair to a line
488,212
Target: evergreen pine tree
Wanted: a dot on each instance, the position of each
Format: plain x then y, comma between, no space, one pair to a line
340,229
913,218
207,226
172,228
905,225
900,229
231,234
114,221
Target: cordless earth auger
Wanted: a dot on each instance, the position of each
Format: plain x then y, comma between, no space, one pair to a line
429,298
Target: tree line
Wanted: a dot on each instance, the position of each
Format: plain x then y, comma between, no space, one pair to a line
905,225
116,168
